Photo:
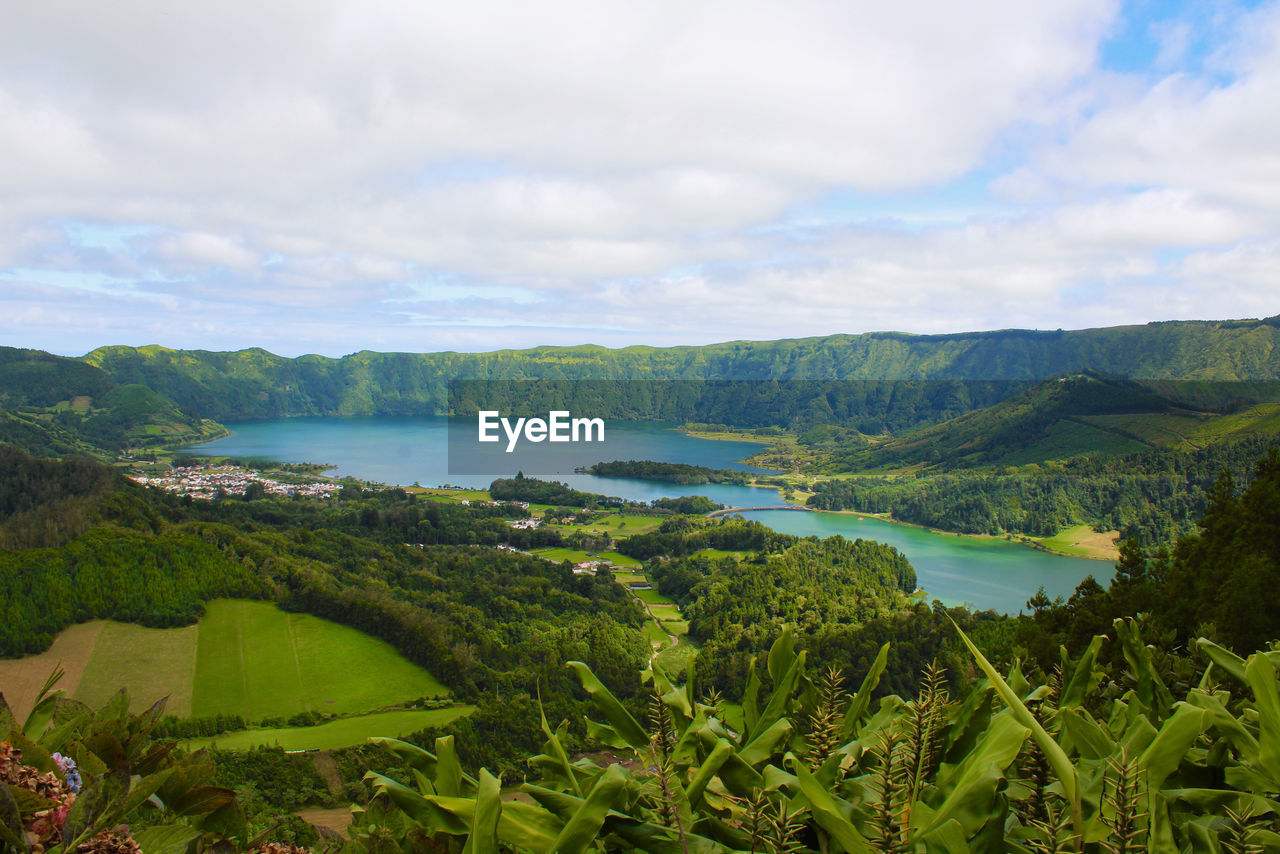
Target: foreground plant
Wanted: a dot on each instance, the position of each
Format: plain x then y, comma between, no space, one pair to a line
75,779
812,766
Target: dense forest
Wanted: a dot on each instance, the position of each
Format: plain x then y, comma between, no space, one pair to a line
681,473
1155,494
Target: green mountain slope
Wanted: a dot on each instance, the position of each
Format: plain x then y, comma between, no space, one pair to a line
54,406
1082,413
945,375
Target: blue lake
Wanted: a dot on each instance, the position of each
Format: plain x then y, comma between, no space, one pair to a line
985,573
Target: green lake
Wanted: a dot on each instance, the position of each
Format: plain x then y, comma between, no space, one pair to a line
984,573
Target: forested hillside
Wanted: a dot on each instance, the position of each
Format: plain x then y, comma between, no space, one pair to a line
53,406
950,374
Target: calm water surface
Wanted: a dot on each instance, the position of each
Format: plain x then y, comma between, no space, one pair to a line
407,450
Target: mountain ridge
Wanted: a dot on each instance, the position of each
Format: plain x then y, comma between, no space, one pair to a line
254,383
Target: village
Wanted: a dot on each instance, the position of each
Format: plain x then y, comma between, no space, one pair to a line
213,481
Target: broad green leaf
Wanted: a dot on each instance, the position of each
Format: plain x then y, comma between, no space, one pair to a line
557,751
782,654
1053,752
826,811
8,722
1083,677
646,836
969,722
581,830
448,779
484,826
165,838
413,755
227,820
1168,748
779,699
27,800
527,827
619,718
138,795
426,811
606,735
766,743
1260,673
707,770
739,777
1223,659
33,754
11,831
1151,688
949,838
861,700
202,799
1227,725
1081,731
971,787
42,710
1208,801
751,697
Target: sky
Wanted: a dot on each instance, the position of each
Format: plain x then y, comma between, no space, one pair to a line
327,176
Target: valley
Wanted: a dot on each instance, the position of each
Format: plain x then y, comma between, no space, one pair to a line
347,574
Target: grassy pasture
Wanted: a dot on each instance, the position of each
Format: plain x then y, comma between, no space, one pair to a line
578,556
453,496
618,525
335,734
675,659
652,597
654,633
258,661
246,658
1083,541
716,554
150,663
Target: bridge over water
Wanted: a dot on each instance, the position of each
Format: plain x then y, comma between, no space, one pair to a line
728,510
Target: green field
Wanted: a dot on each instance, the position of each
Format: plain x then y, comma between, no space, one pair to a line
255,660
243,658
654,633
716,554
578,556
150,663
450,495
623,526
675,659
335,734
653,597
1082,541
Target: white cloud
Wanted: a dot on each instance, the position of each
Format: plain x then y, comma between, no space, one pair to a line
336,175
